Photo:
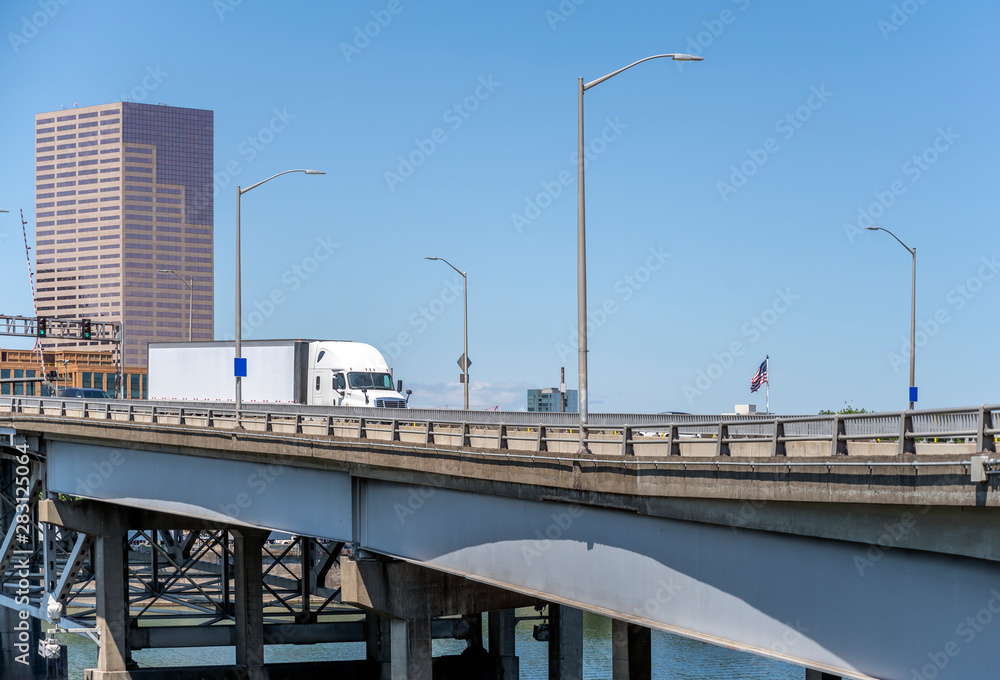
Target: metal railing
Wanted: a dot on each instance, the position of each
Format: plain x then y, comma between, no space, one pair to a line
870,434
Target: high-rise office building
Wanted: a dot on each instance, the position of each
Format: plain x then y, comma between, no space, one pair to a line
123,197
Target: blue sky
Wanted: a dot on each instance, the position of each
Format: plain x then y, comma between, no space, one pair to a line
725,198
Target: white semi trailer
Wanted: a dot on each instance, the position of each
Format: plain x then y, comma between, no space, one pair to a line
320,372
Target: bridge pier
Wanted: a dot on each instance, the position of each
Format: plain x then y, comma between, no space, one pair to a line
411,649
501,638
243,602
565,643
248,544
631,651
409,596
820,675
114,659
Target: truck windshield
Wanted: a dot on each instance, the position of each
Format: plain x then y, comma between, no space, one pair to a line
377,381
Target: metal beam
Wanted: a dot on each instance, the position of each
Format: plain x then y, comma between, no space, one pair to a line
71,570
86,516
151,637
211,492
11,540
154,637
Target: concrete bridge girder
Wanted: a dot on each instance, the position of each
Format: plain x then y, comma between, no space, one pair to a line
531,544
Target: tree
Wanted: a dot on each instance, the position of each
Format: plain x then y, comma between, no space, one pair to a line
847,409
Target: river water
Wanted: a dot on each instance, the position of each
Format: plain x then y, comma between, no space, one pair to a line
674,658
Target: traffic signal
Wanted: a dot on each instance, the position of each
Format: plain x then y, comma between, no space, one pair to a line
86,329
42,327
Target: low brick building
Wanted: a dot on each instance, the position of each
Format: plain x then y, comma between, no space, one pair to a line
73,368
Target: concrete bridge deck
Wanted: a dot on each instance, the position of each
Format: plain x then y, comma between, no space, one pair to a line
654,527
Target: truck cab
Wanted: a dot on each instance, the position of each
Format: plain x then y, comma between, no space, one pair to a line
343,373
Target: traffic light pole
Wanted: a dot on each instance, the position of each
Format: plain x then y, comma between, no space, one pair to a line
109,332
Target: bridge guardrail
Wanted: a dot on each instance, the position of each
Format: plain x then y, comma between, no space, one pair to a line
973,429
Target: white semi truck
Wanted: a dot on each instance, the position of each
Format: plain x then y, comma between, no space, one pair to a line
320,372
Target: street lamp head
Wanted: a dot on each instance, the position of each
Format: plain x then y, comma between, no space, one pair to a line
873,228
164,271
315,172
686,57
432,258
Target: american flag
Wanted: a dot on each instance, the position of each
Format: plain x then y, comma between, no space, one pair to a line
760,377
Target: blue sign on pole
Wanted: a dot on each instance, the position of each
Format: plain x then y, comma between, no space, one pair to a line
240,367
913,394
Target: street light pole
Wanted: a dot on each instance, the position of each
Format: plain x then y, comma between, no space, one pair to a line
465,354
189,282
239,320
581,238
913,309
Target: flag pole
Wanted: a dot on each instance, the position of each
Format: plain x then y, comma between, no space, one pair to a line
767,393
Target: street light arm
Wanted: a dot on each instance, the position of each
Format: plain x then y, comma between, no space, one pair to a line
254,186
460,272
913,311
676,57
465,354
171,271
911,251
581,236
239,284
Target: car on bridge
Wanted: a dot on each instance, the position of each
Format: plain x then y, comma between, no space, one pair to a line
84,393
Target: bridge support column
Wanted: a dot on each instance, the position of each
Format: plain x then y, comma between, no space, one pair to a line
249,604
410,649
501,640
115,657
411,596
378,644
631,651
565,643
820,675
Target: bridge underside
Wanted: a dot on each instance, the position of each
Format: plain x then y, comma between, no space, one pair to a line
136,578
831,605
842,607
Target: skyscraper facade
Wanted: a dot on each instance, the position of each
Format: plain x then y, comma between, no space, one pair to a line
124,197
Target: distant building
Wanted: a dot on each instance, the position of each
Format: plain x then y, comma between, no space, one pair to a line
122,191
546,400
743,410
73,369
